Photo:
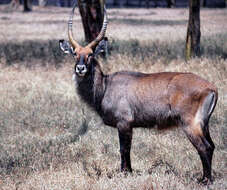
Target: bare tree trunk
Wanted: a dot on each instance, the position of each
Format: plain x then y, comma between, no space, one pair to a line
43,3
27,5
193,33
155,3
204,3
147,3
140,3
127,3
91,12
15,4
171,3
115,2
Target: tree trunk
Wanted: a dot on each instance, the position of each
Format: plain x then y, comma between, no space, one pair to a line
127,3
14,4
115,3
193,33
147,4
171,3
27,5
204,3
91,12
42,3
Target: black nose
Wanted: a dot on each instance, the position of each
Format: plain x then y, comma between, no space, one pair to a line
80,68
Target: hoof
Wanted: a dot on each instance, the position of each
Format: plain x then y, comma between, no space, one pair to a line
205,181
126,170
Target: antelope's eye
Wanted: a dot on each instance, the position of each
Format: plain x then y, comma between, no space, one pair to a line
89,57
77,57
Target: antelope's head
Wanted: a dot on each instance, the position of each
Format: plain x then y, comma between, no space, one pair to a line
83,55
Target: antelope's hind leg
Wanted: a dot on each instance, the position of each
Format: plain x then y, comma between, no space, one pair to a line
205,147
197,130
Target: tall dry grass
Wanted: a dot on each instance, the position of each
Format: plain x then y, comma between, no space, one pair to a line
49,139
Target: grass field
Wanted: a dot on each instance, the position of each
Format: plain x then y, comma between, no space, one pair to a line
49,139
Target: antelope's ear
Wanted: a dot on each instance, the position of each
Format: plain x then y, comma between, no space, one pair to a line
101,47
65,47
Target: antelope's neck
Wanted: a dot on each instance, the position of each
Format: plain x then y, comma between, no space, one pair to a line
92,88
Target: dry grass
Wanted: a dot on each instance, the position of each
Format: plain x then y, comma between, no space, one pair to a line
50,140
51,23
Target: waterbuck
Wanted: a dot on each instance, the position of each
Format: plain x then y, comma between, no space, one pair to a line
126,100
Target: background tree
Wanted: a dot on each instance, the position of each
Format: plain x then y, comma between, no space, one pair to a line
27,5
14,4
171,3
43,3
115,2
127,3
193,32
147,3
91,12
203,3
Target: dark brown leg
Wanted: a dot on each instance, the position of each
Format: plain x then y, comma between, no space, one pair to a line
125,138
207,156
205,147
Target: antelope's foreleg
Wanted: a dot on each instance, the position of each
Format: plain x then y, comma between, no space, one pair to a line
125,138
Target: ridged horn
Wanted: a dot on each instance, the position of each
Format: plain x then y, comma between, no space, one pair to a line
101,33
70,31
